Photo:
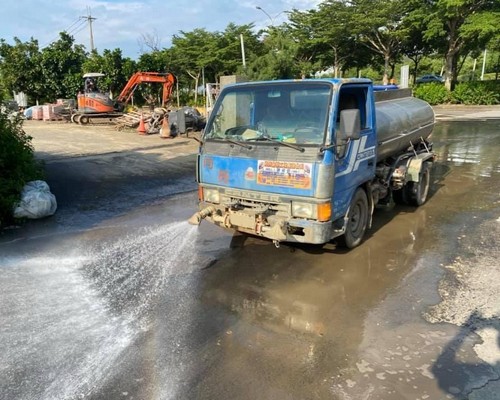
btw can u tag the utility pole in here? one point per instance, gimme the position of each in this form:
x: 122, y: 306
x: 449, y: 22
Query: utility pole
x: 89, y: 19
x: 484, y: 65
x: 243, y: 51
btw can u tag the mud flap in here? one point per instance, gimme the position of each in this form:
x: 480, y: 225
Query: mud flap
x: 415, y: 166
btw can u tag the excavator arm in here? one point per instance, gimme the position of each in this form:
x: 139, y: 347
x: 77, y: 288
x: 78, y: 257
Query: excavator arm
x: 167, y: 79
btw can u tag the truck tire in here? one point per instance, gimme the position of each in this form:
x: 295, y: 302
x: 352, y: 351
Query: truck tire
x: 357, y: 220
x: 417, y: 192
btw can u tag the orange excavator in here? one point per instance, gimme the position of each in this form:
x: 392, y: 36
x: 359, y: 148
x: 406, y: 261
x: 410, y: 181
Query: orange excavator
x: 94, y: 104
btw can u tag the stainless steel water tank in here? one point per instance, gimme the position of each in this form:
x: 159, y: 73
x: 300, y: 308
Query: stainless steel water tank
x: 401, y: 122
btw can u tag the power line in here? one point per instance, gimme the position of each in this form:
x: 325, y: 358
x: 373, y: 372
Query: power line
x: 74, y: 23
x: 70, y: 30
x: 77, y: 26
x: 81, y: 25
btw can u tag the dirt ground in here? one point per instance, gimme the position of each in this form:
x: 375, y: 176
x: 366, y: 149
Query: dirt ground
x: 58, y: 140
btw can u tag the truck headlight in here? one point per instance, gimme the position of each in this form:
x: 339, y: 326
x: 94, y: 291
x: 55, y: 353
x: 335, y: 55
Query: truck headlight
x: 304, y: 210
x: 211, y: 195
x: 322, y: 212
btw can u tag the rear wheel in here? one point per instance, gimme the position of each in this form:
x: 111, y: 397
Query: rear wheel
x: 415, y: 193
x: 418, y: 191
x: 357, y: 220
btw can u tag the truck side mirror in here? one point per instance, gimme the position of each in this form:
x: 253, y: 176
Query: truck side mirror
x: 350, y: 124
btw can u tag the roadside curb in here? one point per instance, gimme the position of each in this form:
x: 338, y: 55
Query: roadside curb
x: 466, y: 113
x: 464, y: 118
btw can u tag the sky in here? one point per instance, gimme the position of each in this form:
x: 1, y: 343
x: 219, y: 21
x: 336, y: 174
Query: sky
x: 122, y: 23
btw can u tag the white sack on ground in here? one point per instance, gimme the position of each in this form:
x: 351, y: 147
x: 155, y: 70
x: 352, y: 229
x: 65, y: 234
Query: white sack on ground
x: 36, y: 201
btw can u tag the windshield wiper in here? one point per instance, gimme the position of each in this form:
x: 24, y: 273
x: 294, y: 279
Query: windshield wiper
x: 269, y: 139
x: 246, y: 146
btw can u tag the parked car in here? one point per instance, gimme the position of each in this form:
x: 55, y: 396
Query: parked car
x: 430, y: 78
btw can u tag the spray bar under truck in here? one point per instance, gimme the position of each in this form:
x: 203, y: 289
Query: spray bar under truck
x: 308, y: 160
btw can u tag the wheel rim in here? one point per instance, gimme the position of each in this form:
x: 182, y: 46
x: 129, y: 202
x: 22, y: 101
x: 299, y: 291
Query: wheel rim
x: 356, y: 223
x: 357, y: 220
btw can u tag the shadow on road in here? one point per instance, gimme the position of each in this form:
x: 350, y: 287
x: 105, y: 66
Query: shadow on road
x: 456, y: 373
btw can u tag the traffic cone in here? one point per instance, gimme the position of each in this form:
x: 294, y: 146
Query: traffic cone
x: 165, y: 128
x: 142, y: 127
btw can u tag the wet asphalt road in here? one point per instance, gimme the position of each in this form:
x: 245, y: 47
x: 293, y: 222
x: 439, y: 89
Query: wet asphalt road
x: 116, y: 297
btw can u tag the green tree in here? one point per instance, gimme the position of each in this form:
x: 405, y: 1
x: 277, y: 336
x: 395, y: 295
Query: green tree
x: 325, y: 36
x: 154, y: 61
x: 229, y: 54
x: 461, y: 26
x: 61, y: 66
x: 414, y: 44
x: 279, y: 57
x: 378, y: 24
x: 194, y: 51
x: 116, y: 68
x: 17, y: 164
x: 495, y: 47
x: 303, y: 28
x: 19, y: 67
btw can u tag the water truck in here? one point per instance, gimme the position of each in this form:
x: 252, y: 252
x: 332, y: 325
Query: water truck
x: 309, y: 160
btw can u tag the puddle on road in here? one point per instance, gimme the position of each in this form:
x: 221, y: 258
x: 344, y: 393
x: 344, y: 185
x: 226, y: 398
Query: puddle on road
x: 67, y: 318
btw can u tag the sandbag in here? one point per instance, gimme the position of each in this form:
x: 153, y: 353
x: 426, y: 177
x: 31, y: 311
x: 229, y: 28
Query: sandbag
x: 36, y: 201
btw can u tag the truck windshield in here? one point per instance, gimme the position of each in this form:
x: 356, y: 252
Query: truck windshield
x: 294, y: 112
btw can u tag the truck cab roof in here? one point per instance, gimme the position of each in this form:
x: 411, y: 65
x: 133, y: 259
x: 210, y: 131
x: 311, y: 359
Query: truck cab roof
x: 334, y: 81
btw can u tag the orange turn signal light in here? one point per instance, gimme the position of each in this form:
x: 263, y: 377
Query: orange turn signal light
x: 200, y: 193
x: 324, y: 212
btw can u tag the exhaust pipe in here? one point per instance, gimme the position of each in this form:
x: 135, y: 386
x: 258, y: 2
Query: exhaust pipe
x: 197, y: 217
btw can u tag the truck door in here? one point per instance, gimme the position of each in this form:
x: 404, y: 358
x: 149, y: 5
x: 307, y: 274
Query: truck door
x: 355, y: 159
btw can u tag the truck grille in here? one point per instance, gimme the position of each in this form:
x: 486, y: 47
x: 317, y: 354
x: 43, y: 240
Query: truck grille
x: 256, y: 207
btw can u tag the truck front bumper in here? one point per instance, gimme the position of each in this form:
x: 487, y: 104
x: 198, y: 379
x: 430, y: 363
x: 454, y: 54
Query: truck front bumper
x: 271, y: 226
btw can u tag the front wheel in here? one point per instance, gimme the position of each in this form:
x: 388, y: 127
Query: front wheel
x: 357, y: 220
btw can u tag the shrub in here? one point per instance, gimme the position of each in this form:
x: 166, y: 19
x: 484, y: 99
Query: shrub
x: 484, y: 92
x: 17, y: 164
x: 432, y: 93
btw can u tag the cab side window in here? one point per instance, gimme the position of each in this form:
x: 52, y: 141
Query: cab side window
x: 353, y: 98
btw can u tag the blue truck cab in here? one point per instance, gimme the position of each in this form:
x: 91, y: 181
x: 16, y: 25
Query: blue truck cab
x: 298, y: 160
